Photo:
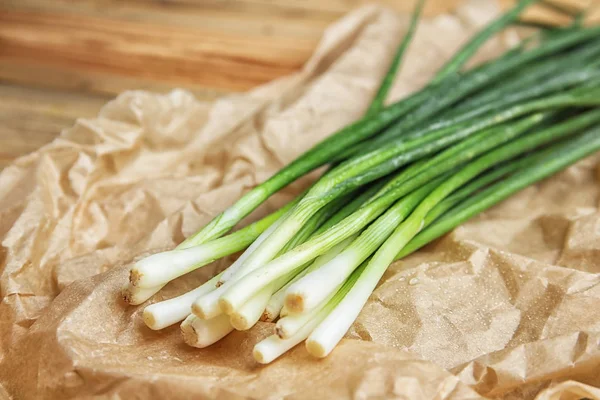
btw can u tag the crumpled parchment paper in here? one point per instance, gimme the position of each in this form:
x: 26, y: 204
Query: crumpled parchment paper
x: 506, y: 306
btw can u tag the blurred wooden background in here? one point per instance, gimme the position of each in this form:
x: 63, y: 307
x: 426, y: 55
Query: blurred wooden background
x: 63, y: 59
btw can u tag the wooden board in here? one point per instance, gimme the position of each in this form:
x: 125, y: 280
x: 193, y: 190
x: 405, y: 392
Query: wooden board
x: 63, y: 59
x: 32, y: 117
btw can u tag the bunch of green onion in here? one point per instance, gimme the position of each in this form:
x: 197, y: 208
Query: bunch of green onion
x: 399, y: 178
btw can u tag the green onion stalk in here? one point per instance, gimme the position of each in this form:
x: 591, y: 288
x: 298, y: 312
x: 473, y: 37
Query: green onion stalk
x: 253, y: 281
x: 406, y: 237
x: 337, y: 270
x: 374, y: 121
x: 140, y: 289
x: 313, y: 288
x: 351, y: 174
x: 377, y: 118
x: 453, y: 91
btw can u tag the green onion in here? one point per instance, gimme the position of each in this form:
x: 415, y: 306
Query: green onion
x: 312, y: 289
x: 533, y: 75
x: 388, y: 79
x: 454, y: 91
x: 552, y: 85
x: 255, y: 279
x: 399, y: 178
x: 207, y: 306
x: 330, y: 331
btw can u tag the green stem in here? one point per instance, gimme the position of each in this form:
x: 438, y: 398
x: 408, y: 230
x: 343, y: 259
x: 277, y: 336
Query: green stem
x: 451, y: 91
x: 532, y: 75
x: 330, y: 331
x: 560, y: 156
x: 571, y: 98
x: 559, y: 83
x: 472, y: 187
x: 258, y: 278
x: 388, y: 80
x: 460, y: 58
x: 322, y: 218
x: 241, y: 238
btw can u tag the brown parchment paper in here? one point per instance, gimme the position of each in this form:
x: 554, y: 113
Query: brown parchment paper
x: 507, y: 306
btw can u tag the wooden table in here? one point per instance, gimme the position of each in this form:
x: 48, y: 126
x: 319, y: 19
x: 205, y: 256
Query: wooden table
x: 63, y: 59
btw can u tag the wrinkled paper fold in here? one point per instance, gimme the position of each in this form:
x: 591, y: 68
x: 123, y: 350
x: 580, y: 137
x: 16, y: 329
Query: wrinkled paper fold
x: 506, y: 306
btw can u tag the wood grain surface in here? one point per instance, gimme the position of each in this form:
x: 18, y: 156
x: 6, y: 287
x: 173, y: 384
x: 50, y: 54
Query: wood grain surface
x: 63, y: 59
